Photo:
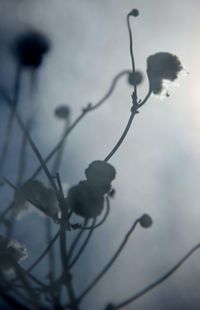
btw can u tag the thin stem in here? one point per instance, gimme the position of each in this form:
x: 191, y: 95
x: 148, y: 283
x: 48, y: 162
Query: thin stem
x: 131, y: 50
x: 125, y: 132
x: 59, y: 145
x: 9, y: 127
x: 58, y: 158
x: 30, y: 140
x: 22, y: 157
x: 63, y: 248
x: 79, y: 118
x: 109, y: 264
x: 104, y: 218
x: 22, y: 275
x: 123, y: 136
x: 81, y: 250
x: 76, y: 240
x: 159, y: 281
x: 43, y: 254
x: 36, y: 151
x: 110, y: 91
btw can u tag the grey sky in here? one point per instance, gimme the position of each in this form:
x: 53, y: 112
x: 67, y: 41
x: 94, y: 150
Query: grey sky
x: 158, y: 166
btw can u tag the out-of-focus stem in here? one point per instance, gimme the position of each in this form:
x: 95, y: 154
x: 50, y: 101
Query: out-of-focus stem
x: 109, y: 264
x: 82, y: 248
x: 22, y: 157
x: 157, y: 282
x: 76, y: 240
x: 9, y: 127
x: 63, y: 249
x: 22, y: 275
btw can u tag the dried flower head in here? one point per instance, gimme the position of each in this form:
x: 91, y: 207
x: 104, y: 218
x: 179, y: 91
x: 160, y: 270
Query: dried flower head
x: 85, y: 200
x: 42, y: 197
x: 30, y: 47
x: 11, y: 250
x: 100, y: 174
x: 62, y: 111
x: 162, y: 66
x: 146, y: 221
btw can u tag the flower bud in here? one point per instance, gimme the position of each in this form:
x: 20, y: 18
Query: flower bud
x: 62, y: 111
x: 146, y: 221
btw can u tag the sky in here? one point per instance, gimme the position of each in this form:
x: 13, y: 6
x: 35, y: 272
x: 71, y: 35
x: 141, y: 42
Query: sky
x: 158, y: 166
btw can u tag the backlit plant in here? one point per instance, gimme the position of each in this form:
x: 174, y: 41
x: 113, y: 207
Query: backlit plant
x: 85, y: 206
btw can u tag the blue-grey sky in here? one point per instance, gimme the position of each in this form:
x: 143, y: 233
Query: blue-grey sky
x: 158, y: 165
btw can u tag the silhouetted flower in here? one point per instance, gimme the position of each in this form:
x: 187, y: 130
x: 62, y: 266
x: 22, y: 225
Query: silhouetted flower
x: 63, y: 111
x: 135, y: 78
x: 100, y: 175
x: 85, y: 200
x: 146, y: 221
x: 30, y: 47
x: 134, y: 12
x: 11, y: 250
x: 162, y: 66
x: 35, y: 192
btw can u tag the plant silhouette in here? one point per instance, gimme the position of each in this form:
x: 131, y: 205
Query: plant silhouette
x: 81, y: 209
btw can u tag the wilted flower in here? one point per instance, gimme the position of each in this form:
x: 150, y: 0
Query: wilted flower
x: 146, y: 221
x: 85, y: 200
x: 30, y: 47
x: 162, y: 66
x: 100, y: 174
x: 35, y: 192
x: 11, y: 250
x: 135, y: 78
x: 63, y: 111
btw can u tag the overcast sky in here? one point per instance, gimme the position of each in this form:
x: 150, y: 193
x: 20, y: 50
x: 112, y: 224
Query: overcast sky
x: 158, y: 165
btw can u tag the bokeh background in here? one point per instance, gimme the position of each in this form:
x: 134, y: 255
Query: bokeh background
x: 158, y: 165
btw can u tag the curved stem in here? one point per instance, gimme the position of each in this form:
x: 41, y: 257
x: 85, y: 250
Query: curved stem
x: 108, y: 157
x: 133, y: 113
x: 109, y: 264
x: 43, y: 254
x: 79, y: 118
x: 81, y: 250
x: 59, y: 145
x: 111, y: 89
x: 131, y: 50
x: 159, y: 281
x: 76, y: 240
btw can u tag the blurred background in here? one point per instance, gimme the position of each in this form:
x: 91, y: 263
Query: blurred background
x: 158, y: 166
